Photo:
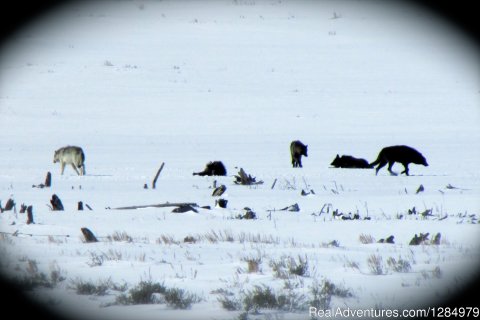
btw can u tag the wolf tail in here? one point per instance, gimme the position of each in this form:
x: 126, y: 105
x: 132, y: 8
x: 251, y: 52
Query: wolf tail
x: 374, y: 163
x: 82, y: 164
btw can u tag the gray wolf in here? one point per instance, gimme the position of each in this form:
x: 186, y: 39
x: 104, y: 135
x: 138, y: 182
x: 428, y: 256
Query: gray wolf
x: 71, y: 155
x: 350, y: 162
x: 213, y: 168
x: 401, y: 154
x: 297, y: 149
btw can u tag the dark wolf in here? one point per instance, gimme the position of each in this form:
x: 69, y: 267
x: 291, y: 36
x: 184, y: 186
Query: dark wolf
x: 213, y: 168
x: 350, y: 162
x: 70, y: 155
x: 400, y: 154
x: 297, y: 149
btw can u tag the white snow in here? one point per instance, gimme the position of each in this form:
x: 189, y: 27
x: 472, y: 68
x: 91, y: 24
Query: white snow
x: 138, y: 83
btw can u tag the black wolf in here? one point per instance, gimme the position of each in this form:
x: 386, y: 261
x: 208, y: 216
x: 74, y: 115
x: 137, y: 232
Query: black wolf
x: 350, y: 162
x: 213, y: 168
x: 401, y: 154
x: 297, y: 149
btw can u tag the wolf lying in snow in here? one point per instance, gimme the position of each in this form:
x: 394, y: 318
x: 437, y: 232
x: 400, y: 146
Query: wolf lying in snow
x: 213, y: 168
x: 401, y: 154
x: 71, y: 155
x: 350, y: 162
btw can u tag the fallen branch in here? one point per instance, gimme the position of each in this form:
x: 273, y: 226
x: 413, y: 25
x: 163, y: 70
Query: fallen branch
x: 273, y: 185
x: 161, y: 205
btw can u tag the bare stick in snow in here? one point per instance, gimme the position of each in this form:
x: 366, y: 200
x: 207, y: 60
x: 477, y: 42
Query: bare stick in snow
x: 156, y: 176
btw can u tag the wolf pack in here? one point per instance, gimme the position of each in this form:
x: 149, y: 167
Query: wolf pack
x: 405, y: 155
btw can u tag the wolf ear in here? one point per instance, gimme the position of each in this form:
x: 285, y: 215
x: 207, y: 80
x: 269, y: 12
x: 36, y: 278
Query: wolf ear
x: 338, y: 156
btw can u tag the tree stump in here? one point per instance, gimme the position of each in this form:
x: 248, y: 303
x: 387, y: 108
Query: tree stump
x: 436, y: 240
x: 89, y: 236
x: 219, y: 191
x: 48, y: 179
x: 390, y: 239
x: 30, y: 215
x: 245, y: 179
x: 56, y: 203
x: 222, y: 203
x: 417, y: 240
x: 9, y: 205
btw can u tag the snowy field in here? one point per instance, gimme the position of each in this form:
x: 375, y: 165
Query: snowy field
x: 141, y: 83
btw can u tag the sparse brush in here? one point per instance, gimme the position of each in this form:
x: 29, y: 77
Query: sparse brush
x: 375, y: 263
x: 179, y: 298
x: 437, y: 272
x: 261, y: 297
x: 258, y: 238
x: 401, y: 265
x: 222, y: 236
x: 148, y: 292
x: 322, y: 293
x: 253, y: 264
x: 89, y: 288
x: 96, y: 260
x: 190, y: 239
x: 288, y: 266
x: 366, y: 238
x: 52, y: 239
x: 167, y: 239
x: 120, y: 236
x: 143, y: 293
x: 228, y: 300
x: 56, y: 274
x: 352, y: 264
x: 35, y: 279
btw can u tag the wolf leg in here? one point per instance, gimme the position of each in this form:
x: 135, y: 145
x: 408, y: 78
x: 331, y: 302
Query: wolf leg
x: 295, y: 162
x: 62, y: 166
x: 75, y: 168
x: 390, y: 165
x: 406, y: 168
x: 380, y: 166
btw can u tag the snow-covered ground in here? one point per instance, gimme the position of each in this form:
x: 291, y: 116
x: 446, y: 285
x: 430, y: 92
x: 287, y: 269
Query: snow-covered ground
x: 139, y: 83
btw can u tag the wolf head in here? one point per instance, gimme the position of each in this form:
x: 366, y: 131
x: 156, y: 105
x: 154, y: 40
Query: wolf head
x: 56, y: 156
x: 305, y: 150
x: 301, y: 149
x: 421, y: 160
x: 336, y: 162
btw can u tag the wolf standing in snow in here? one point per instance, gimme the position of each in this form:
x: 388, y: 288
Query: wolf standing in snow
x: 401, y: 154
x: 71, y: 155
x: 297, y: 149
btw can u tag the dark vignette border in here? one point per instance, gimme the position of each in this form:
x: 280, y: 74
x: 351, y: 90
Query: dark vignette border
x: 460, y: 14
